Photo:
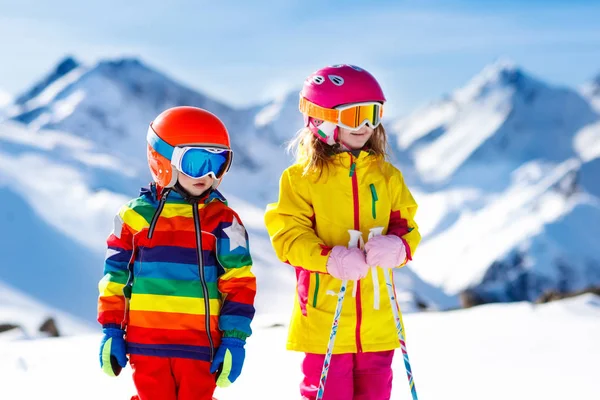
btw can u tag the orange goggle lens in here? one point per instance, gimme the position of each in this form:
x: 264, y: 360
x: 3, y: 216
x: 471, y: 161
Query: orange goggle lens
x: 355, y: 116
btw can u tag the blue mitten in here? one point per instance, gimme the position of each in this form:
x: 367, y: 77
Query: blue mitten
x: 113, y: 351
x: 230, y: 359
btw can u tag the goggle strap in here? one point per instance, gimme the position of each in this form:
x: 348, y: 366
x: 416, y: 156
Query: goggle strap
x: 160, y: 146
x: 318, y: 112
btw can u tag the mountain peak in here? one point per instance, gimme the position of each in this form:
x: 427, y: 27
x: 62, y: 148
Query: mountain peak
x: 502, y: 74
x: 502, y: 67
x: 122, y: 63
x: 64, y: 66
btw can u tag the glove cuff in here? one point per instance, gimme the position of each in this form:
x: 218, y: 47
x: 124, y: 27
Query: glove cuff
x: 112, y: 331
x: 233, y: 342
x: 111, y: 326
x: 235, y: 334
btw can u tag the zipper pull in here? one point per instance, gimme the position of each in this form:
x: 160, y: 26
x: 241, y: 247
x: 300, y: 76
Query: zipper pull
x: 352, y: 167
x: 374, y: 199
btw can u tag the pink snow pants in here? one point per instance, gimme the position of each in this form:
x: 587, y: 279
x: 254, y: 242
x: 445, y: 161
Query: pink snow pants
x: 360, y: 376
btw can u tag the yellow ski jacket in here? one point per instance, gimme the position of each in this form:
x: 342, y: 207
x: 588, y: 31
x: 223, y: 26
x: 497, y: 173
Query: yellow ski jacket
x: 314, y: 214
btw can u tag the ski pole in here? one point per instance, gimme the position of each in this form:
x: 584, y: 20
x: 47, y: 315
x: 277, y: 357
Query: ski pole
x: 355, y: 237
x: 392, y: 295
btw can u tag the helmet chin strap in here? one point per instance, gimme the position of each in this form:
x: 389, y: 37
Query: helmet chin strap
x: 327, y: 132
x: 189, y: 197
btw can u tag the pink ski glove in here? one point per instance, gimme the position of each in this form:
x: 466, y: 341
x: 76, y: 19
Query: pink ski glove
x: 385, y: 251
x: 347, y: 264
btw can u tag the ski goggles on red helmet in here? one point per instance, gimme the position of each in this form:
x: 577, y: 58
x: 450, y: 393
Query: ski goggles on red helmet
x: 350, y: 116
x: 195, y: 161
x: 198, y: 162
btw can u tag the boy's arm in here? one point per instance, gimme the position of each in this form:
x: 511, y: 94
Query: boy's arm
x: 111, y: 301
x: 404, y: 208
x: 290, y: 226
x: 237, y: 285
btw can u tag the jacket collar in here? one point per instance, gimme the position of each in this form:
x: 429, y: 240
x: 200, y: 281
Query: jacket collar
x: 364, y: 156
x: 174, y: 196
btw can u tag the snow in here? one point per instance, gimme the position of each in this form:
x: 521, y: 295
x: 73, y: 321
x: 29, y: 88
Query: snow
x: 591, y: 90
x: 459, y: 256
x: 499, y: 120
x: 51, y: 91
x: 439, y: 160
x: 69, y: 204
x: 424, y: 121
x: 497, y: 352
x: 587, y: 142
x: 21, y: 310
x: 5, y: 98
x: 510, y: 166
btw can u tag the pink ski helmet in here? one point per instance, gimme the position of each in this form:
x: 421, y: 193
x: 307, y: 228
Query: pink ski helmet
x: 334, y: 86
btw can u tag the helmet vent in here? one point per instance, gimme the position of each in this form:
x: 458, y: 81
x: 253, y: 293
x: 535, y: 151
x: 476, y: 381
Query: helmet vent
x: 318, y: 79
x: 337, y: 80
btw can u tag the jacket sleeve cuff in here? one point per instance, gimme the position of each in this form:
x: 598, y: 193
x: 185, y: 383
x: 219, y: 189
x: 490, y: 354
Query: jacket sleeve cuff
x: 321, y: 264
x: 111, y: 326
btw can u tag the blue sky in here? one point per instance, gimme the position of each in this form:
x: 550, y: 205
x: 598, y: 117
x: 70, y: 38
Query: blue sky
x: 244, y: 52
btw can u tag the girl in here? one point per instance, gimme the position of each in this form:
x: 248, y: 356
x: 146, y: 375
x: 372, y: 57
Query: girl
x: 342, y: 181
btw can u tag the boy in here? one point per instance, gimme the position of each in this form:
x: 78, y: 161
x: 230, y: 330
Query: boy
x: 177, y: 293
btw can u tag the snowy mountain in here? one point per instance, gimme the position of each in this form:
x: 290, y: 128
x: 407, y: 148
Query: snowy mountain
x: 527, y: 155
x: 58, y: 203
x: 539, y: 146
x: 591, y: 90
x: 521, y: 242
x: 111, y: 104
x: 60, y: 193
x: 464, y: 354
x: 482, y: 132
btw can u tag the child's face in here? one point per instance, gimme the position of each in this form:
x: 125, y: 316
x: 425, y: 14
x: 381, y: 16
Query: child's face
x: 356, y: 140
x: 195, y: 187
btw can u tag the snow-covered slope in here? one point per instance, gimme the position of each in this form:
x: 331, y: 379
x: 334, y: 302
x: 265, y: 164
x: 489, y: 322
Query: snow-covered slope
x: 496, y: 352
x: 525, y: 133
x: 27, y: 316
x: 591, y: 90
x: 516, y: 244
x: 57, y: 208
x: 5, y: 98
x: 112, y: 103
x: 517, y: 164
x: 501, y: 119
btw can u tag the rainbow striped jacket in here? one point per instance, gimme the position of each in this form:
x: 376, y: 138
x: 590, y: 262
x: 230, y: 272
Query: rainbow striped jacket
x: 165, y: 258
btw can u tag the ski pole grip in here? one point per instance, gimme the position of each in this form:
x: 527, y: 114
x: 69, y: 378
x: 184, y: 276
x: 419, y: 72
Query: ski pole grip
x: 355, y: 238
x: 375, y: 231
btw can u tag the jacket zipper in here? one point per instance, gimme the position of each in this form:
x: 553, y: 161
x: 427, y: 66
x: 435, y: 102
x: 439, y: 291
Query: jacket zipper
x: 159, y: 209
x: 356, y: 227
x: 202, y: 277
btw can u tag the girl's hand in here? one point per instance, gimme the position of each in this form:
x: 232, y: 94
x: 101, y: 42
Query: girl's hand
x: 385, y: 251
x: 347, y: 264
